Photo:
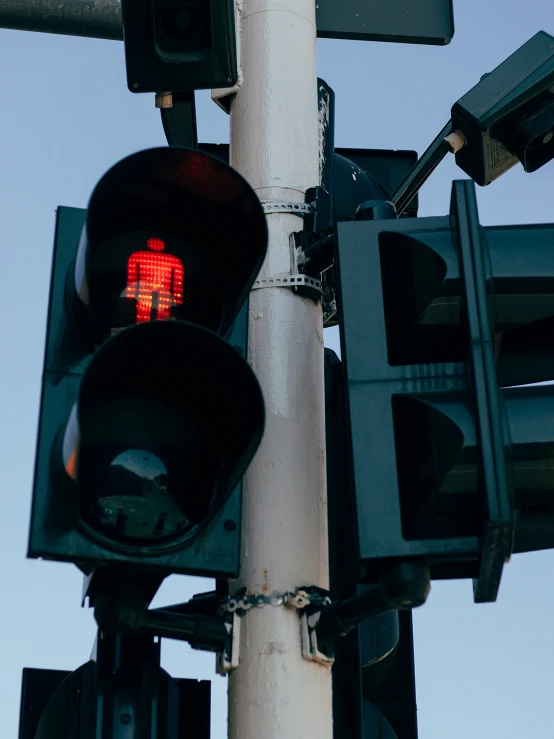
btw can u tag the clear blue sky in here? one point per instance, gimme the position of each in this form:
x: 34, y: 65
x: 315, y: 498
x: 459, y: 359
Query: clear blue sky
x: 482, y: 671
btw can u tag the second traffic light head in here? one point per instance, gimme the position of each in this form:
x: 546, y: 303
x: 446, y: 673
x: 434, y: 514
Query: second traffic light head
x: 174, y: 211
x: 444, y: 464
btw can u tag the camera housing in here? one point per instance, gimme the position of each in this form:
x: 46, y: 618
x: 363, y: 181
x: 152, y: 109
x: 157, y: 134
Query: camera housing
x: 509, y: 115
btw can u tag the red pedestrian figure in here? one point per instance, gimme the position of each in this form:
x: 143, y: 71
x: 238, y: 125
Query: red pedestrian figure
x: 155, y: 281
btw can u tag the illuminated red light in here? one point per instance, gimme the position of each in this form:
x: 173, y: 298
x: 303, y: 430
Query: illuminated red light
x: 155, y: 244
x: 155, y: 281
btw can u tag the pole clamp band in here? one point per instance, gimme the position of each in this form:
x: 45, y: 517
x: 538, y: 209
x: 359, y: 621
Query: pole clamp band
x: 287, y: 279
x: 301, y: 598
x: 297, y: 209
x: 308, y: 601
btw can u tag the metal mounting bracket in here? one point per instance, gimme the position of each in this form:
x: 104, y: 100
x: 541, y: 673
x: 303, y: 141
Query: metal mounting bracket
x: 297, y: 209
x: 228, y: 659
x: 308, y: 640
x: 303, y: 600
x: 318, y: 290
x: 301, y: 283
x: 305, y: 285
x: 288, y: 279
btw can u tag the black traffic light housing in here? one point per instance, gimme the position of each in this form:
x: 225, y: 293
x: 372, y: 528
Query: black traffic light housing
x: 209, y: 215
x: 373, y: 673
x: 509, y: 115
x: 122, y: 685
x: 177, y: 45
x: 445, y: 465
x: 147, y: 420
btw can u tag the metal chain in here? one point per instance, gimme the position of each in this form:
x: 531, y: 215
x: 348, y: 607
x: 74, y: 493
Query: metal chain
x: 300, y: 599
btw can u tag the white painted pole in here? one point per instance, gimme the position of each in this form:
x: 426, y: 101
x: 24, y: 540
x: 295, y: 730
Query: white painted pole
x: 274, y: 693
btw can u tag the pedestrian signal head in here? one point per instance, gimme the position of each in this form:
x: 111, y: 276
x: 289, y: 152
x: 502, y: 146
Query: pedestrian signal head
x: 171, y: 234
x: 150, y: 413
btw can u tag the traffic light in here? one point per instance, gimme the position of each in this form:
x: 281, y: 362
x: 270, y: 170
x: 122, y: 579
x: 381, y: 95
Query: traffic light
x: 438, y: 317
x: 373, y: 674
x: 388, y: 676
x: 177, y: 45
x: 149, y: 417
x: 509, y: 115
x: 120, y: 688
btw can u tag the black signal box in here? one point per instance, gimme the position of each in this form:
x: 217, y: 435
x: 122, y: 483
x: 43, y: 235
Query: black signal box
x: 175, y: 46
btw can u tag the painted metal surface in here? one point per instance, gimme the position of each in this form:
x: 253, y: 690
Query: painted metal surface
x: 408, y: 21
x: 274, y: 143
x: 400, y: 21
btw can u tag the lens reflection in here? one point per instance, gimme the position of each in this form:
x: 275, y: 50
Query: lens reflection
x: 136, y: 503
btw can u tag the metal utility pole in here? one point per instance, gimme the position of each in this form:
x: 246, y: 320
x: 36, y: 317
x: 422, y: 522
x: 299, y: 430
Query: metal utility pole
x: 274, y: 692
